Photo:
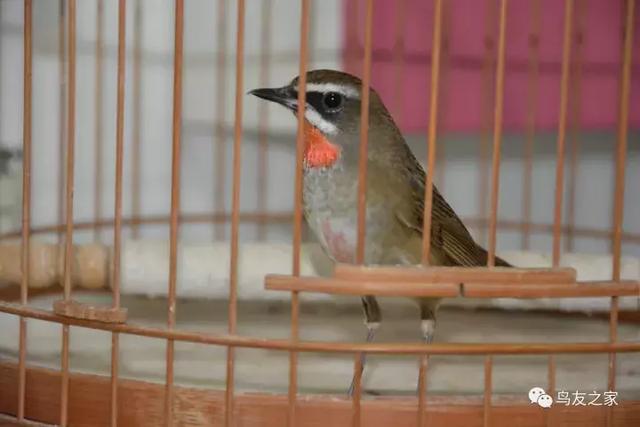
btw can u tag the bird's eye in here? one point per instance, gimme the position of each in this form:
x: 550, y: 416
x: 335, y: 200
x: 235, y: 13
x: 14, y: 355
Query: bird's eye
x: 332, y: 100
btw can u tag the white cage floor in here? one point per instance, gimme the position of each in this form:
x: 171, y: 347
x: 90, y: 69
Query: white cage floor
x: 261, y: 370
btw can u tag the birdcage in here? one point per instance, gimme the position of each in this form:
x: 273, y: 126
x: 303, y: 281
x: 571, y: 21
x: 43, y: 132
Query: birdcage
x: 163, y: 273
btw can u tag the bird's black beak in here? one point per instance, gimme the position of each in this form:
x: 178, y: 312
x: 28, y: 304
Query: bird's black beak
x: 282, y: 95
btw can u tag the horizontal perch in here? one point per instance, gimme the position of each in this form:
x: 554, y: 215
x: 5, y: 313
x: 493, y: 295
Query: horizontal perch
x: 556, y: 290
x: 450, y: 290
x: 345, y: 287
x: 456, y: 274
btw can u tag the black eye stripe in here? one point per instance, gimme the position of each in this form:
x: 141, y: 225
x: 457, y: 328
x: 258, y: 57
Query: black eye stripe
x: 315, y: 99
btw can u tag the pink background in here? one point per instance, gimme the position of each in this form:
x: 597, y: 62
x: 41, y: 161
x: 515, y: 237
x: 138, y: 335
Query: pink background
x: 461, y: 78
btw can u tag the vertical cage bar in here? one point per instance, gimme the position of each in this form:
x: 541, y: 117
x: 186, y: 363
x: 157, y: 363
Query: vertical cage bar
x: 117, y: 226
x: 551, y: 384
x: 618, y: 209
x: 220, y: 140
x: 398, y: 59
x: 532, y: 112
x: 487, y: 100
x: 488, y: 373
x: 70, y: 149
x: 235, y: 212
x: 176, y: 149
x: 441, y: 157
x: 562, y: 126
x: 623, y: 128
x: 26, y: 200
x: 433, y: 126
x: 364, y: 135
x: 136, y: 163
x: 99, y: 145
x: 64, y: 380
x: 297, y: 212
x: 613, y: 336
x: 352, y: 53
x: 422, y: 390
x: 574, y: 134
x: 356, y: 419
x: 69, y: 184
x: 263, y: 118
x: 62, y: 57
x: 497, y: 133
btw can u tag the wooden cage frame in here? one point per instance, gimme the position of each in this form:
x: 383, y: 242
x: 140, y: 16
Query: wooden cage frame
x: 29, y: 392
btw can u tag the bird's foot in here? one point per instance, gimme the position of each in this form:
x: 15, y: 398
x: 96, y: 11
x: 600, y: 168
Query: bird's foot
x: 427, y: 329
x: 372, y: 327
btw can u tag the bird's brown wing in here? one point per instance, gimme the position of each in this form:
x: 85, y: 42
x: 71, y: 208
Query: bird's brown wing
x: 448, y: 233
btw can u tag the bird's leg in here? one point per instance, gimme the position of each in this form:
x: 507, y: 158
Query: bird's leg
x: 372, y: 318
x: 427, y: 325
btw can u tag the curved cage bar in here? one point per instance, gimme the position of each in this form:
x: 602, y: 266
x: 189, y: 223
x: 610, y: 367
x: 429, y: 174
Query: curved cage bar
x: 162, y: 208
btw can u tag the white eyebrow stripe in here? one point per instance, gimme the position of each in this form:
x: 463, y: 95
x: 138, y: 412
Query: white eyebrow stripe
x: 347, y: 91
x: 319, y: 122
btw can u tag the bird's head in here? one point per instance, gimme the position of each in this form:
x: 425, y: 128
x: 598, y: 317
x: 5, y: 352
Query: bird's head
x: 332, y: 114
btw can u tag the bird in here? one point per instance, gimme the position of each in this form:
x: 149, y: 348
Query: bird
x: 395, y: 188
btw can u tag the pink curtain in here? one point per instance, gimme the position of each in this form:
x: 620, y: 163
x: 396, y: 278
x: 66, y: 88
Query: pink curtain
x: 401, y: 72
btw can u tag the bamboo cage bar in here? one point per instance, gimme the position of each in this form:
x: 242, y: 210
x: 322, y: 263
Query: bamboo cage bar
x: 443, y: 84
x: 62, y: 108
x: 117, y: 214
x: 68, y: 211
x: 220, y: 141
x: 575, y: 137
x: 235, y: 213
x: 363, y: 157
x: 357, y: 279
x: 432, y: 133
x: 428, y: 197
x: 195, y: 218
x: 297, y: 212
x: 551, y: 383
x: 422, y: 391
x: 351, y: 56
x: 98, y: 117
x: 488, y: 70
x: 263, y: 115
x: 356, y: 420
x: 136, y: 151
x: 319, y: 346
x: 618, y: 208
x: 285, y: 217
x: 532, y: 112
x: 488, y: 379
x: 497, y: 133
x: 25, y: 241
x: 562, y: 127
x: 175, y: 204
x: 399, y: 51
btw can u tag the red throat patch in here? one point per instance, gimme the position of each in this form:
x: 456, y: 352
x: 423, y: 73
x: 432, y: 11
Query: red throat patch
x: 318, y: 151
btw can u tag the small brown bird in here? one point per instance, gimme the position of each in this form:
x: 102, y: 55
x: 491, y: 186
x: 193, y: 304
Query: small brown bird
x: 395, y: 188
